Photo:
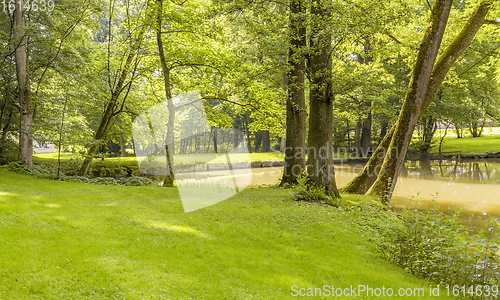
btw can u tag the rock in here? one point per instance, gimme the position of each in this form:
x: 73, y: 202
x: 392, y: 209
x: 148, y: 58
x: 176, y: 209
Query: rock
x: 278, y: 163
x: 200, y: 166
x: 272, y: 163
x: 256, y: 164
x: 215, y: 166
x: 240, y: 165
x: 267, y: 163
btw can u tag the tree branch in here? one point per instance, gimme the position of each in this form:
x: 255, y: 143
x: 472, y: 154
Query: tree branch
x: 491, y: 22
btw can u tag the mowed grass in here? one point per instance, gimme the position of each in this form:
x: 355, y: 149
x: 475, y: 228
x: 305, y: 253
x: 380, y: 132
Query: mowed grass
x: 487, y: 143
x: 61, y: 240
x: 185, y: 158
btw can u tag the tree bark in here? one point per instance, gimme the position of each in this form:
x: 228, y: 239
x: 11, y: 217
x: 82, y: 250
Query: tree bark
x: 5, y: 128
x: 266, y: 141
x: 414, y: 101
x: 169, y: 139
x: 23, y: 80
x: 123, y: 151
x: 366, y: 135
x: 320, y: 167
x: 429, y: 128
x: 236, y: 137
x: 215, y: 140
x: 365, y: 179
x: 357, y: 136
x: 296, y: 113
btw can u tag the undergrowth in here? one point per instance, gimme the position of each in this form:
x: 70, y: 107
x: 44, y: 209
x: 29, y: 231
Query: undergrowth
x: 49, y: 171
x: 427, y: 243
x: 435, y: 246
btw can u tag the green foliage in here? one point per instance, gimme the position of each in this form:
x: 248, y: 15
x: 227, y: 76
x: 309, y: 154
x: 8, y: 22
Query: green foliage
x: 306, y: 191
x: 48, y: 170
x: 436, y: 246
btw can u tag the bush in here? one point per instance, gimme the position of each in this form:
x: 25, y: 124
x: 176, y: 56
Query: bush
x: 48, y: 170
x: 39, y: 170
x: 7, y: 157
x: 305, y: 191
x: 438, y: 247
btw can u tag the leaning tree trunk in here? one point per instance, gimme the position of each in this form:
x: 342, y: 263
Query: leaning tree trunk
x: 365, y: 179
x: 100, y: 133
x: 296, y: 113
x: 23, y: 80
x: 414, y: 100
x: 169, y: 140
x: 113, y: 103
x: 320, y: 167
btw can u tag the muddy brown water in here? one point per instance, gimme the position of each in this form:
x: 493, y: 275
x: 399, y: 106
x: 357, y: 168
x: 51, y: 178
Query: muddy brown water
x: 470, y: 186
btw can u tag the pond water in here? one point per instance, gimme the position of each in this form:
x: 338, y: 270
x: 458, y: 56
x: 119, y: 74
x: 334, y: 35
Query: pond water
x: 471, y: 186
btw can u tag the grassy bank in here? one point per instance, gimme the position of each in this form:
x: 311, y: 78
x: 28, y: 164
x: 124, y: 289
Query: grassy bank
x: 73, y: 241
x: 188, y: 158
x: 487, y: 143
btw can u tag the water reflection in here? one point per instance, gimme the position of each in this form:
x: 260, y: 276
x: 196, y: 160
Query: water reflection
x: 471, y: 186
x: 460, y: 171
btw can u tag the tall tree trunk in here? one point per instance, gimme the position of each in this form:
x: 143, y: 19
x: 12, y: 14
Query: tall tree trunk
x: 458, y: 130
x: 247, y: 133
x: 296, y: 113
x: 215, y: 140
x: 258, y: 141
x: 23, y: 80
x: 414, y: 101
x: 366, y: 135
x: 266, y: 141
x: 123, y: 151
x: 320, y: 167
x: 5, y: 130
x: 357, y: 136
x: 429, y: 128
x: 236, y: 137
x: 383, y: 130
x: 169, y: 139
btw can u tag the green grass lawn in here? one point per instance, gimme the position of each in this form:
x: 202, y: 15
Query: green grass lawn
x: 61, y: 240
x: 188, y: 158
x: 487, y: 143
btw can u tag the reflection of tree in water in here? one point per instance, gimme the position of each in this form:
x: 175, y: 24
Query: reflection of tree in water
x: 426, y: 168
x: 468, y: 171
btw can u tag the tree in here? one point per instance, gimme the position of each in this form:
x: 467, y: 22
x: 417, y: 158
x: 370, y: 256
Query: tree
x: 119, y: 86
x: 296, y: 113
x: 365, y: 178
x: 320, y: 167
x: 169, y: 139
x: 23, y: 79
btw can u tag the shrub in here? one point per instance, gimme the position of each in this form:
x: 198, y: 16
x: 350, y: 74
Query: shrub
x: 48, y: 170
x: 305, y: 191
x: 137, y: 181
x: 438, y: 247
